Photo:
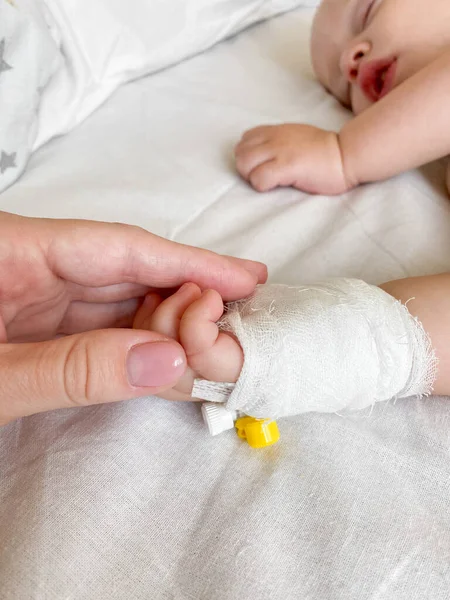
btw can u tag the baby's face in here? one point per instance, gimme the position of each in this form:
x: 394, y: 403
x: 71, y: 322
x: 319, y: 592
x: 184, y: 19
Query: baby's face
x: 362, y: 49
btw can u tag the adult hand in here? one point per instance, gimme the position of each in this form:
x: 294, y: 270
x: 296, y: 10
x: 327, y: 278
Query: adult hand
x: 65, y: 289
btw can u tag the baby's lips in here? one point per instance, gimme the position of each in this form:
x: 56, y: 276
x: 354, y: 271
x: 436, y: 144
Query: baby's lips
x: 389, y: 80
x: 370, y: 74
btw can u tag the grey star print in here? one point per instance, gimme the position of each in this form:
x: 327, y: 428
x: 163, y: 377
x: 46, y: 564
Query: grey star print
x: 7, y: 161
x: 3, y: 64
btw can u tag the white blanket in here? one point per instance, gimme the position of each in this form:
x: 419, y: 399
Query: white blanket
x: 136, y: 501
x: 28, y: 59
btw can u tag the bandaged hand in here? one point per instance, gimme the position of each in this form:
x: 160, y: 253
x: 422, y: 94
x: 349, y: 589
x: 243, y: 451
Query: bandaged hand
x: 191, y: 317
x: 338, y: 345
x: 300, y: 156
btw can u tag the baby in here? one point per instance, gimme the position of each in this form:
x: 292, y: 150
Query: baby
x: 387, y: 60
x: 190, y: 316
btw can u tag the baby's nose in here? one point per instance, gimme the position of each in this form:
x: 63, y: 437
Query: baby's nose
x: 351, y: 59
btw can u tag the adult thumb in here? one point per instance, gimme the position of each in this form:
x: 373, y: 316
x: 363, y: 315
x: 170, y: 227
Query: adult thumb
x: 89, y: 368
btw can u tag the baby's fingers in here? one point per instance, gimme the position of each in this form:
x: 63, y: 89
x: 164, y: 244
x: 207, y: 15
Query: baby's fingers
x: 199, y: 331
x: 213, y: 355
x: 250, y: 157
x: 257, y: 135
x: 145, y: 313
x: 267, y: 176
x: 167, y: 316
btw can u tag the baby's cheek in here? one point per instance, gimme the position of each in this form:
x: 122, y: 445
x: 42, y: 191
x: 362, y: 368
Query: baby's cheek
x: 360, y: 102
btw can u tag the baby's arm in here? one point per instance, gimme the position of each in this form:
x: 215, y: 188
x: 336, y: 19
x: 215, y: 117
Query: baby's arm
x: 190, y: 316
x: 407, y: 128
x: 428, y: 299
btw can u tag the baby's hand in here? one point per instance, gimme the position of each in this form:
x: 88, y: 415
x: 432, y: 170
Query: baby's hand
x: 301, y: 156
x: 189, y: 316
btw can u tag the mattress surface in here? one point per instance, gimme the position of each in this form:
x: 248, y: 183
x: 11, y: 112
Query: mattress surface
x: 136, y: 500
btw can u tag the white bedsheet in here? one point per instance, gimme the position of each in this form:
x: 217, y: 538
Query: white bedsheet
x: 136, y: 501
x: 113, y: 42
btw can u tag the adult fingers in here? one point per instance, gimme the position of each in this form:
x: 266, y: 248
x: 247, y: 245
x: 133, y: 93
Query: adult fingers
x: 102, y: 254
x: 83, y: 316
x: 90, y: 368
x: 108, y: 293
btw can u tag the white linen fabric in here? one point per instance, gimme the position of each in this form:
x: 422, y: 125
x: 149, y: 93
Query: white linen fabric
x: 136, y: 501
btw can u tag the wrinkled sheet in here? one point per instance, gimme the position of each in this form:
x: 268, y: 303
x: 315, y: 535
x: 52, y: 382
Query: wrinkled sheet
x: 135, y: 500
x: 59, y: 61
x: 112, y: 42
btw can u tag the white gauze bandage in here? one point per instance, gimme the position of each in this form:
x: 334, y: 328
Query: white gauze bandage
x: 338, y: 345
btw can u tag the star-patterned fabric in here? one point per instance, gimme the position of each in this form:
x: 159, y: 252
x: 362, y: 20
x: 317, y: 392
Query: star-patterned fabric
x: 28, y: 59
x: 3, y: 64
x: 7, y: 161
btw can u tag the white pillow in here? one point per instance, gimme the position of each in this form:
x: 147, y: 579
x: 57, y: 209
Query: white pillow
x: 28, y: 58
x: 109, y: 42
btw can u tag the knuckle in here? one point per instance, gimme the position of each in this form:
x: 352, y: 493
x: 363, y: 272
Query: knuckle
x: 126, y: 230
x: 259, y: 129
x: 241, y: 166
x: 248, y: 134
x: 261, y: 187
x: 239, y: 150
x: 238, y: 160
x: 78, y: 367
x: 259, y: 181
x: 132, y: 228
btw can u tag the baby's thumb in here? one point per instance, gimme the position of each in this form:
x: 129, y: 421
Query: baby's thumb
x: 89, y: 368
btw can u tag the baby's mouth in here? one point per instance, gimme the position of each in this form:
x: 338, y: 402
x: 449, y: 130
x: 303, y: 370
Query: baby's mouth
x: 376, y: 78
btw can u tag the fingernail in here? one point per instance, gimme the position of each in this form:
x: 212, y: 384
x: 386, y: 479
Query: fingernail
x: 155, y: 364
